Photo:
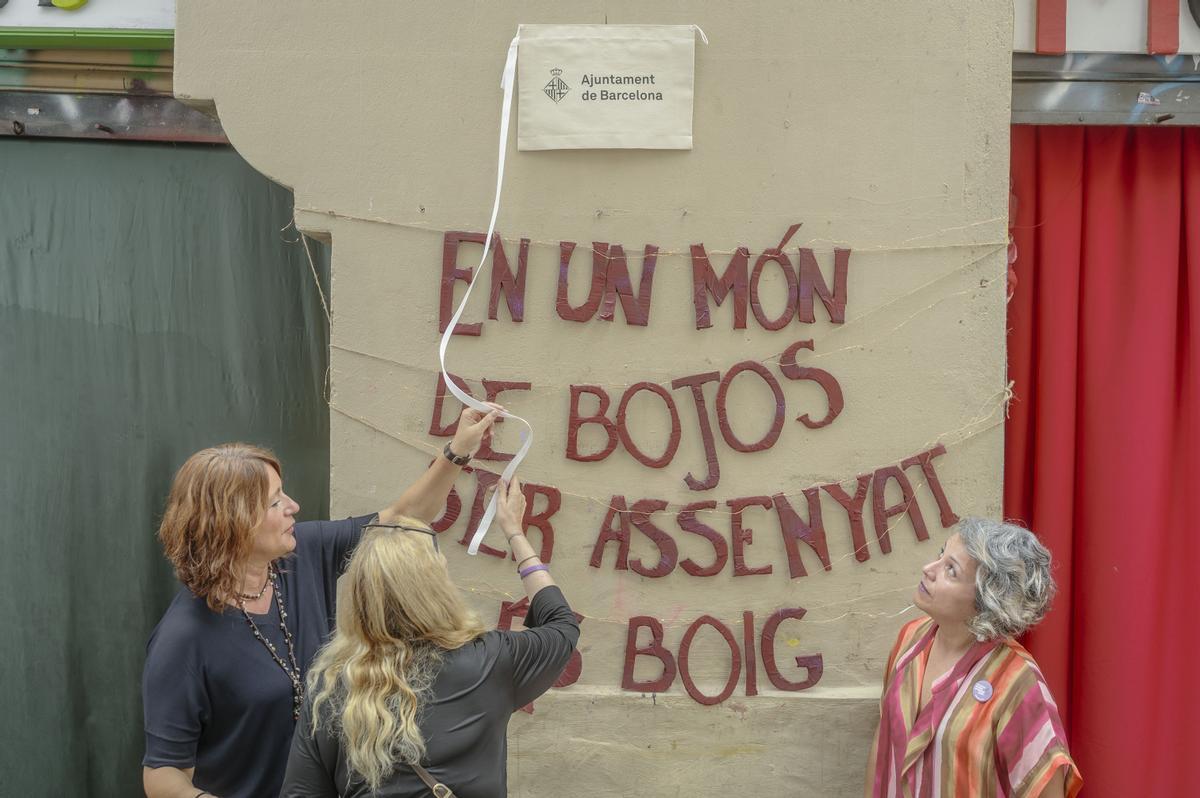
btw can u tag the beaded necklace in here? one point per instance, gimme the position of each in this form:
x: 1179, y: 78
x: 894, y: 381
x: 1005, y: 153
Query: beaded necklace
x: 292, y: 673
x: 267, y: 581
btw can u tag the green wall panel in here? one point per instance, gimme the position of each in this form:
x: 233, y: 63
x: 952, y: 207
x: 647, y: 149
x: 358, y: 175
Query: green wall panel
x: 150, y: 305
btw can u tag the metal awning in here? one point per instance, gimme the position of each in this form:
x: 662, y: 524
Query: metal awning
x: 1105, y: 89
x: 1073, y: 89
x: 111, y: 117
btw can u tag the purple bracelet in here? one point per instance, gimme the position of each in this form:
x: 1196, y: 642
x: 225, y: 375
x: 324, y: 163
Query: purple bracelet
x: 524, y: 572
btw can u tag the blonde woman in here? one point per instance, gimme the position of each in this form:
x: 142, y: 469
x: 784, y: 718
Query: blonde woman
x: 224, y: 675
x: 412, y: 692
x: 965, y: 711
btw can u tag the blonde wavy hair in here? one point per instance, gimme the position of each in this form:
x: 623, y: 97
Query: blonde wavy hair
x: 397, y: 613
x: 217, y: 501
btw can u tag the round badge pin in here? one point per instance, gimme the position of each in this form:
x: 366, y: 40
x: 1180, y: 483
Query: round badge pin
x: 982, y: 690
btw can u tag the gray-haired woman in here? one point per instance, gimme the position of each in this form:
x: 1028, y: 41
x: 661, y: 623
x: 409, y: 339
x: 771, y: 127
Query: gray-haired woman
x: 965, y: 710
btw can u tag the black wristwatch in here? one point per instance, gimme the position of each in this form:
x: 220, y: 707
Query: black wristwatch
x: 454, y: 458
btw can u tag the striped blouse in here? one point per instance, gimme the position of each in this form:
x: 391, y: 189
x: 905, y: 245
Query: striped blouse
x: 991, y: 727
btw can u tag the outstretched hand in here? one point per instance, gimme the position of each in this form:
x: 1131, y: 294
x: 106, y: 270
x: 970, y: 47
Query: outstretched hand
x: 472, y: 426
x: 510, y: 508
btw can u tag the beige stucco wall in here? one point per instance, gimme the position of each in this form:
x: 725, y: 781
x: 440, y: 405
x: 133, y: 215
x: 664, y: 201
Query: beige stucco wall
x: 883, y: 127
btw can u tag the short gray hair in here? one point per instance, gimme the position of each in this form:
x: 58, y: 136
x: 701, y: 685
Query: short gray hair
x: 1013, y: 585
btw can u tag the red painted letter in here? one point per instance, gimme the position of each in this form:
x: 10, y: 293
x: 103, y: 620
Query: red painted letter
x: 492, y: 390
x: 772, y: 435
x: 744, y: 536
x: 814, y: 664
x: 811, y: 280
x: 655, y: 649
x: 735, y: 665
x: 793, y: 529
x: 833, y: 390
x: 595, y: 293
x: 704, y: 279
x: 854, y: 510
x: 785, y: 265
x: 503, y: 281
x: 907, y: 504
x: 450, y: 274
x: 627, y: 439
x: 925, y: 460
x: 689, y: 523
x: 541, y: 520
x: 617, y: 285
x: 667, y: 550
x: 696, y: 383
x: 436, y: 427
x: 575, y: 421
x: 618, y: 511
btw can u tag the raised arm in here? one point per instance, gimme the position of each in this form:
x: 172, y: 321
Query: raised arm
x: 542, y: 650
x: 510, y: 512
x: 426, y: 497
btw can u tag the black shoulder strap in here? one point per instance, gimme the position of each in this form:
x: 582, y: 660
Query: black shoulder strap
x: 439, y: 790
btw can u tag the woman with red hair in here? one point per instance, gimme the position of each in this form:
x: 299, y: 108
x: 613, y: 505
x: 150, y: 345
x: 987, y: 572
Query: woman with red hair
x: 224, y: 676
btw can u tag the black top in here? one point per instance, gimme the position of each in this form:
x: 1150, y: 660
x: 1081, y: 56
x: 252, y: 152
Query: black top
x: 465, y: 722
x: 213, y: 697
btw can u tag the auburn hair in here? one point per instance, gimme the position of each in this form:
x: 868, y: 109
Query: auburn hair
x: 218, y: 499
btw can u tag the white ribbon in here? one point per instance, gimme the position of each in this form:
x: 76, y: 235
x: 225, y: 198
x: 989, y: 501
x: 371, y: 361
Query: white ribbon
x: 506, y: 83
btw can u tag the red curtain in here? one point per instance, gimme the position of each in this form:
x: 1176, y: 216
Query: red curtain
x: 1103, y: 441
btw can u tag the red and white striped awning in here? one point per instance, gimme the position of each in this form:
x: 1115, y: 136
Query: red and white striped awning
x: 1157, y: 27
